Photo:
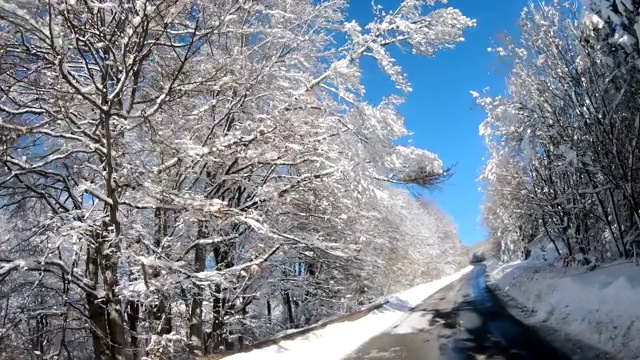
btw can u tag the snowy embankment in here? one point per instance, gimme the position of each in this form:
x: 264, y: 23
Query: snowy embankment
x: 598, y: 307
x: 338, y: 340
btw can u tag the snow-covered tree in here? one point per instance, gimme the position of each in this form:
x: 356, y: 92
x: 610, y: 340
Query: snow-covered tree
x: 171, y: 169
x: 563, y: 144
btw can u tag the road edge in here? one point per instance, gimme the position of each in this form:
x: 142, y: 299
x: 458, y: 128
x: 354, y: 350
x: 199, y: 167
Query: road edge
x: 293, y: 333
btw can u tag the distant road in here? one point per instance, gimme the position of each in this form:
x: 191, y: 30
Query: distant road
x: 464, y: 320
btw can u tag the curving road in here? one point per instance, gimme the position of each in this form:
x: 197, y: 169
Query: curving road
x: 464, y: 320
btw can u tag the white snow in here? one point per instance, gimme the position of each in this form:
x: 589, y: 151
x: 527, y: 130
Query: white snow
x: 598, y: 307
x: 408, y: 159
x: 593, y: 21
x: 338, y: 340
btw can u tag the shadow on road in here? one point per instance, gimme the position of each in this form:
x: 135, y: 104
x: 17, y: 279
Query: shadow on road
x: 486, y: 329
x: 576, y: 348
x: 464, y: 320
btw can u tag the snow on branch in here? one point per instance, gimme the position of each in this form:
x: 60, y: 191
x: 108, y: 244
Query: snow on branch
x: 409, y: 165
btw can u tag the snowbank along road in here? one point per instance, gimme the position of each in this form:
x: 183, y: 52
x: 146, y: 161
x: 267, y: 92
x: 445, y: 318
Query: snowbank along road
x: 338, y: 340
x: 588, y: 314
x: 464, y: 320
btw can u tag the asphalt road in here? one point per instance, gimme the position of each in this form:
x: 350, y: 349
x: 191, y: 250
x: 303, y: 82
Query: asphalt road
x: 464, y: 320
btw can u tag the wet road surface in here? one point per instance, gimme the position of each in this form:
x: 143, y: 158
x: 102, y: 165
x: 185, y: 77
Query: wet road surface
x: 464, y: 320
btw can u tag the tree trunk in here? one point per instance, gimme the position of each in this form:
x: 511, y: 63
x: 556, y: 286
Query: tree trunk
x: 109, y: 243
x: 133, y: 318
x: 196, y: 340
x: 97, y: 314
x: 220, y: 300
x: 161, y: 317
x: 605, y: 214
x: 622, y: 251
x: 240, y: 336
x: 107, y: 257
x: 160, y: 312
x: 115, y: 318
x: 286, y: 298
x: 269, y: 320
x: 217, y: 325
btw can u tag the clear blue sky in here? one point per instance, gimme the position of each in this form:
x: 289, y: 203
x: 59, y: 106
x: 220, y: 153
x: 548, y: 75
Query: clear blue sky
x: 440, y: 110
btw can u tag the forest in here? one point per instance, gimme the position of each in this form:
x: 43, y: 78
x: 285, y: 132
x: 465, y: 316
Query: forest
x: 182, y: 177
x: 563, y: 142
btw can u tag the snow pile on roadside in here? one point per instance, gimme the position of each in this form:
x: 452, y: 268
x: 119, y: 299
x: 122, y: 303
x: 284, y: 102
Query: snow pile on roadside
x: 598, y: 307
x: 338, y: 340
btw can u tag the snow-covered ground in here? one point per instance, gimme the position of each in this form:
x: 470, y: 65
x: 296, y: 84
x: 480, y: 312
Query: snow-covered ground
x: 600, y: 308
x: 339, y: 340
